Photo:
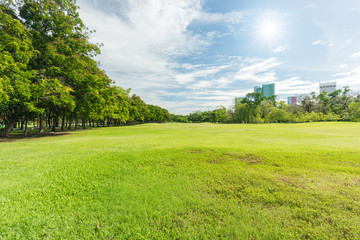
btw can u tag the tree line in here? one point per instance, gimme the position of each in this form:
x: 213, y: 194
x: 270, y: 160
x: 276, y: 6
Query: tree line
x: 48, y: 75
x: 340, y: 105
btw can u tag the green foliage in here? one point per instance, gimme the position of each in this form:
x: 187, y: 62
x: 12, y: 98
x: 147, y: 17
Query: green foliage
x: 139, y: 111
x: 158, y: 114
x: 354, y: 109
x: 339, y: 105
x: 47, y: 69
x: 179, y: 118
x: 219, y: 115
x: 16, y: 98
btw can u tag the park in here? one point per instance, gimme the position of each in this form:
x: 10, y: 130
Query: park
x: 158, y: 119
x: 181, y: 181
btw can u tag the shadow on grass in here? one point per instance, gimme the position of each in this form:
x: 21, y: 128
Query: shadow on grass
x: 33, y: 135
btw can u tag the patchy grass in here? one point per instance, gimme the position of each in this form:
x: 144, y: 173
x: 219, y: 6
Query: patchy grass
x: 181, y: 181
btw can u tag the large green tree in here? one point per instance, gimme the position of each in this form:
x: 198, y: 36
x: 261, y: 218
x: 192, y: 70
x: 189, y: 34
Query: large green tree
x: 16, y: 88
x: 64, y: 58
x: 47, y: 71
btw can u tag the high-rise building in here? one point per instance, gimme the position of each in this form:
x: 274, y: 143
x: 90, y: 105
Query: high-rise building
x: 292, y: 100
x: 328, y: 87
x: 257, y: 89
x: 268, y: 90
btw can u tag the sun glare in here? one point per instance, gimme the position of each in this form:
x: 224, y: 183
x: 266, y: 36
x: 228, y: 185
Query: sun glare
x: 269, y: 28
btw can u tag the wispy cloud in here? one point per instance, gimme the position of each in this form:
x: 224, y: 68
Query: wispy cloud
x: 201, y: 99
x: 147, y: 34
x: 349, y: 78
x: 281, y: 48
x: 323, y: 43
x: 234, y: 17
x: 213, y: 86
x: 294, y: 86
x: 198, y: 74
x: 348, y: 41
x: 355, y: 55
x: 143, y: 40
x: 222, y: 82
x: 259, y: 70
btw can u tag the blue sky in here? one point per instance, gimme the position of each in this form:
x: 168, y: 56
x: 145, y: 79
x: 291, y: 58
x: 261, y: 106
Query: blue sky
x: 188, y: 55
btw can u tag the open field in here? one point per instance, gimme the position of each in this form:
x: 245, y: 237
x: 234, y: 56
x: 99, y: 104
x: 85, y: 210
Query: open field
x: 182, y: 181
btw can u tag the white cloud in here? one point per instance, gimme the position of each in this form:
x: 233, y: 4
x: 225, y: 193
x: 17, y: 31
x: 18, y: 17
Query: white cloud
x: 144, y: 38
x: 202, y: 99
x: 259, y: 70
x: 349, y: 78
x: 144, y: 35
x: 354, y: 9
x: 203, y: 84
x: 323, y: 43
x: 224, y: 75
x: 348, y: 41
x: 186, y: 78
x: 343, y: 65
x: 355, y: 55
x: 222, y: 82
x: 234, y: 17
x: 281, y: 48
x: 294, y: 86
x: 144, y: 81
x: 147, y: 34
x: 221, y: 94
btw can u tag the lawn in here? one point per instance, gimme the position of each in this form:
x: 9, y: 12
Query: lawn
x: 184, y: 181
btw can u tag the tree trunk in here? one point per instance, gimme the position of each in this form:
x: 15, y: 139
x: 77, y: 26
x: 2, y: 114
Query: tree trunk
x: 70, y: 123
x: 83, y: 124
x: 26, y: 128
x: 55, y: 119
x: 49, y: 120
x: 63, y: 123
x: 8, y: 128
x: 40, y: 124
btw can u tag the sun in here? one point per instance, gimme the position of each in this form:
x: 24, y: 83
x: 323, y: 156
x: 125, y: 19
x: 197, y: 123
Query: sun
x: 269, y: 30
x: 269, y: 27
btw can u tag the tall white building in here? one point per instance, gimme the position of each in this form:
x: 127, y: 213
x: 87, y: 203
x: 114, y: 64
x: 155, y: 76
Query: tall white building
x: 328, y: 87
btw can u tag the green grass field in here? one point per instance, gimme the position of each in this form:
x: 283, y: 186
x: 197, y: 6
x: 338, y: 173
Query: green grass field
x: 184, y: 181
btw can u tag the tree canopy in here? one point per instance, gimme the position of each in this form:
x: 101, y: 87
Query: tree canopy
x: 47, y: 71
